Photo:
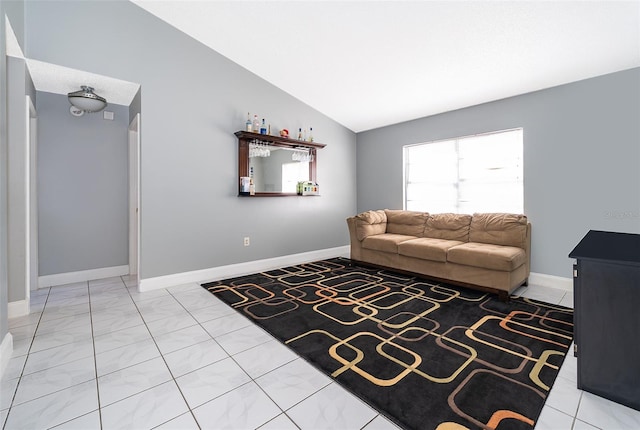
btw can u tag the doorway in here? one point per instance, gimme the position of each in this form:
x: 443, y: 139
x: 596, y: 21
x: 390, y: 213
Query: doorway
x: 84, y: 209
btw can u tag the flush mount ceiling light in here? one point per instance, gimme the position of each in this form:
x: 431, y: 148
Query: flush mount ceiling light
x: 75, y: 111
x: 87, y: 100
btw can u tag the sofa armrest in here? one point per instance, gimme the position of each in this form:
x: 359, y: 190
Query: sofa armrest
x: 362, y: 226
x: 356, y: 245
x: 527, y: 249
x: 351, y: 224
x: 369, y: 223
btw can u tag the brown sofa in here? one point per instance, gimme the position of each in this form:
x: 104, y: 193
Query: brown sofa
x: 486, y: 251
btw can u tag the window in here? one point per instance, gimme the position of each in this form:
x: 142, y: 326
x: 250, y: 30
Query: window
x: 480, y: 173
x: 292, y: 173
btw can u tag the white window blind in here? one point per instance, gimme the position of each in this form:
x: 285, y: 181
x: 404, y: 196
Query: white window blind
x: 480, y: 173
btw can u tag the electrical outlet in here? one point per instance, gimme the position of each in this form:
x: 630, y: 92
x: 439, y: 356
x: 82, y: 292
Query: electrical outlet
x: 247, y: 242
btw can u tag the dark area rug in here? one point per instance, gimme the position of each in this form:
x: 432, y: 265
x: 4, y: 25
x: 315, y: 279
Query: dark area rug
x: 426, y: 355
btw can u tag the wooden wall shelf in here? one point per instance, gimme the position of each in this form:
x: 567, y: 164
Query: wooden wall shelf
x: 277, y: 140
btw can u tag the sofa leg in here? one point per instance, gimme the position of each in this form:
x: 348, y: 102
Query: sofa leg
x: 503, y: 296
x: 525, y: 283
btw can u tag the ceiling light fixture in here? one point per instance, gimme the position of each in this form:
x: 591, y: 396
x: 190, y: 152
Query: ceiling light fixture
x: 87, y: 100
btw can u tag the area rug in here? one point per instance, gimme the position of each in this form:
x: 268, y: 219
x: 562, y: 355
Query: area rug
x: 424, y: 354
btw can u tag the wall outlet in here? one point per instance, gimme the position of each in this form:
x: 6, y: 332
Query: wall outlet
x: 247, y: 242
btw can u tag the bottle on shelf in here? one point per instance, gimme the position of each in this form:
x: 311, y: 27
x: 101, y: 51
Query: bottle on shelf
x: 263, y: 127
x: 248, y: 125
x: 310, y: 134
x: 256, y: 124
x: 300, y: 134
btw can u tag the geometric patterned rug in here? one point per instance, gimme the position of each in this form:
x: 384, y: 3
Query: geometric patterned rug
x: 426, y: 355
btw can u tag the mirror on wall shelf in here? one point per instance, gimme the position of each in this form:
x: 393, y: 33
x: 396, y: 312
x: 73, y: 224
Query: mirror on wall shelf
x: 276, y: 164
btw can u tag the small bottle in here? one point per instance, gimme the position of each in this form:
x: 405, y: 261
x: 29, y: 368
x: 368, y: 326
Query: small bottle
x: 252, y: 188
x: 310, y: 134
x: 256, y: 124
x: 300, y: 134
x: 248, y: 126
x: 263, y: 128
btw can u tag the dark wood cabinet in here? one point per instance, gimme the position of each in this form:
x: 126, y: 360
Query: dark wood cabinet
x: 606, y: 291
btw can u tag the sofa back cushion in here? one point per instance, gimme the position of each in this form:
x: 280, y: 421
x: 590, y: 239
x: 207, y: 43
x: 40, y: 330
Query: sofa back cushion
x: 499, y: 229
x: 406, y: 222
x: 448, y: 226
x: 370, y: 223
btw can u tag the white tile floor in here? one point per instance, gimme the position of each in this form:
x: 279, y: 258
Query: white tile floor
x: 99, y: 354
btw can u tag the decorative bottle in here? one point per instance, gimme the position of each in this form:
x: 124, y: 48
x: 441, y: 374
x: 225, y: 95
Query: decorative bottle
x: 256, y: 124
x: 263, y: 128
x: 300, y: 134
x: 248, y: 126
x: 310, y: 134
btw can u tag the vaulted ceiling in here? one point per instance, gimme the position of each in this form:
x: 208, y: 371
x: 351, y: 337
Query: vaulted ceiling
x: 367, y: 64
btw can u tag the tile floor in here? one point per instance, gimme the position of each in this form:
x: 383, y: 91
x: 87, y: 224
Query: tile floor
x: 99, y: 354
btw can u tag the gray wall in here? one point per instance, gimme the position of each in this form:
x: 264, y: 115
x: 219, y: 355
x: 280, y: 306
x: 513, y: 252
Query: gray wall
x: 83, y: 188
x: 193, y: 100
x: 581, y: 159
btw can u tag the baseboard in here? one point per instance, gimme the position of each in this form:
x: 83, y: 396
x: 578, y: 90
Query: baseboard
x: 18, y: 308
x: 81, y: 276
x: 232, y: 270
x: 6, y: 350
x: 551, y: 281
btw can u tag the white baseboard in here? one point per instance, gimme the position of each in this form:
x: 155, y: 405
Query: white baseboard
x: 232, y: 270
x: 6, y: 350
x: 551, y: 281
x: 81, y: 276
x: 18, y: 308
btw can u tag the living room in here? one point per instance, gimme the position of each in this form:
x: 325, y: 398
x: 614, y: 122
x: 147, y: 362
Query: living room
x: 580, y: 153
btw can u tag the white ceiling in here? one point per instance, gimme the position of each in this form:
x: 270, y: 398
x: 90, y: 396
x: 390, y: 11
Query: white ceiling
x: 52, y: 78
x: 367, y: 64
x: 56, y: 79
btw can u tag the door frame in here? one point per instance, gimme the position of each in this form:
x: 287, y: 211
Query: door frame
x: 134, y: 198
x: 31, y: 199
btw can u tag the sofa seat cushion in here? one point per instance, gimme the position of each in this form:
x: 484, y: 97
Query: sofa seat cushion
x: 488, y: 256
x: 386, y: 242
x: 427, y: 248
